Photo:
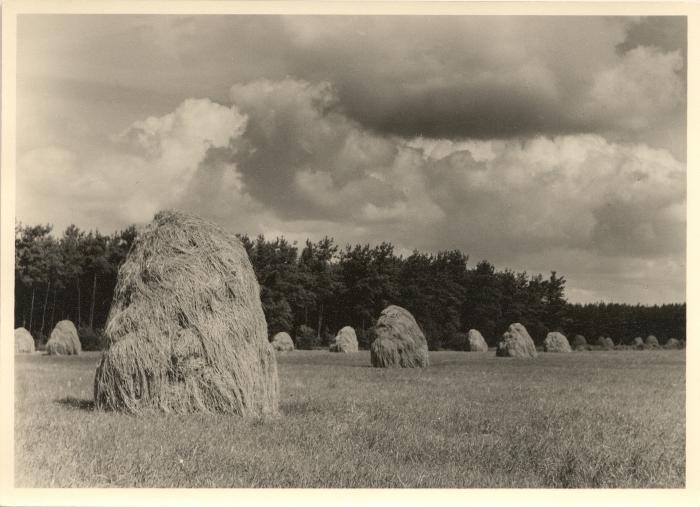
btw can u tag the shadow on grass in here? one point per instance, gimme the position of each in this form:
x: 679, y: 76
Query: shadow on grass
x: 76, y: 404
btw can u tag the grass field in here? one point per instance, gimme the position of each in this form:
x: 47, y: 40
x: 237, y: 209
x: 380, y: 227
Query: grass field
x: 589, y: 419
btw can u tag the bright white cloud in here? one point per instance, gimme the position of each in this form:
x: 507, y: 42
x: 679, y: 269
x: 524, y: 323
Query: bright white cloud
x: 147, y: 167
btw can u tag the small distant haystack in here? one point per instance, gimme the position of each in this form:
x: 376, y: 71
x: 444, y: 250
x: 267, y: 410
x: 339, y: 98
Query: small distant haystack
x: 673, y: 343
x: 638, y: 343
x: 399, y: 341
x: 579, y: 342
x: 64, y: 340
x: 556, y: 342
x: 651, y: 342
x: 606, y: 343
x: 516, y: 342
x: 345, y: 341
x: 186, y: 331
x: 24, y: 343
x: 282, y: 342
x: 477, y: 342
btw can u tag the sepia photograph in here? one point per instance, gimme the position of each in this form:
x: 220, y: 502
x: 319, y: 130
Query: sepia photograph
x: 349, y: 251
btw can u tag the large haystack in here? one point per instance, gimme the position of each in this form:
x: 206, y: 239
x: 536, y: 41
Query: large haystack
x: 651, y: 342
x: 516, y: 342
x: 64, y: 340
x: 476, y: 341
x: 282, y: 342
x: 186, y: 331
x: 345, y: 341
x: 399, y: 341
x: 24, y: 343
x: 556, y: 342
x: 638, y: 343
x: 579, y: 342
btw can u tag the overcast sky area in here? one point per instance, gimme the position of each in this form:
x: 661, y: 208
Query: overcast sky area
x: 538, y: 143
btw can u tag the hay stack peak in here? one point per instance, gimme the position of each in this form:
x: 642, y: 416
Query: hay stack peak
x: 64, y: 340
x: 399, y: 341
x: 345, y: 341
x: 282, y: 342
x: 477, y: 342
x: 24, y: 343
x: 651, y: 342
x: 556, y: 342
x: 516, y: 342
x: 186, y: 331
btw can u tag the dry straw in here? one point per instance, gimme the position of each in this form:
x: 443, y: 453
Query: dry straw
x: 24, y: 343
x: 64, y: 340
x: 476, y: 341
x: 399, y: 341
x: 186, y: 331
x: 282, y: 342
x: 345, y: 341
x: 516, y: 342
x: 556, y: 342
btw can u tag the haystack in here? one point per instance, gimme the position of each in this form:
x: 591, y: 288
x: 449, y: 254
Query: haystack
x: 638, y: 343
x: 477, y: 342
x: 516, y: 342
x: 579, y: 342
x: 606, y: 343
x: 399, y: 341
x: 651, y: 342
x: 556, y: 342
x: 186, y: 331
x: 64, y: 340
x: 282, y: 342
x: 24, y: 343
x: 673, y: 343
x: 345, y: 341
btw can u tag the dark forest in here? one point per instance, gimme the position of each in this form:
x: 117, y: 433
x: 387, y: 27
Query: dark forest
x: 312, y: 290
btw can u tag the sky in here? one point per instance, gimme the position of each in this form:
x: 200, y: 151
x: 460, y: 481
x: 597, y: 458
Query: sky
x: 537, y: 143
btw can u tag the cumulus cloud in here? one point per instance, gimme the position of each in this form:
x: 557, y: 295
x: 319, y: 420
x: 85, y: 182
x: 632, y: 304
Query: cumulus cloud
x: 537, y: 142
x: 148, y: 166
x: 173, y: 145
x: 285, y: 153
x: 644, y: 84
x: 305, y: 159
x: 575, y: 191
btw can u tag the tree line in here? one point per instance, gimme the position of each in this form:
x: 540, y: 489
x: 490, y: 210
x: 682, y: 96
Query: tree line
x: 71, y: 277
x: 313, y: 290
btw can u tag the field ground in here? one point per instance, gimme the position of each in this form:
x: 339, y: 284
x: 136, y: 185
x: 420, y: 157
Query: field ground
x: 588, y: 419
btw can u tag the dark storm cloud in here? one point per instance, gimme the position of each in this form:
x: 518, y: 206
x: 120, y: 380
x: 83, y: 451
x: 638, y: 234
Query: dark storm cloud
x: 435, y: 76
x: 668, y: 33
x: 488, y: 77
x: 455, y: 110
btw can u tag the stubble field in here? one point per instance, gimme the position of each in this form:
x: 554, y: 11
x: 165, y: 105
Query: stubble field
x: 471, y: 420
